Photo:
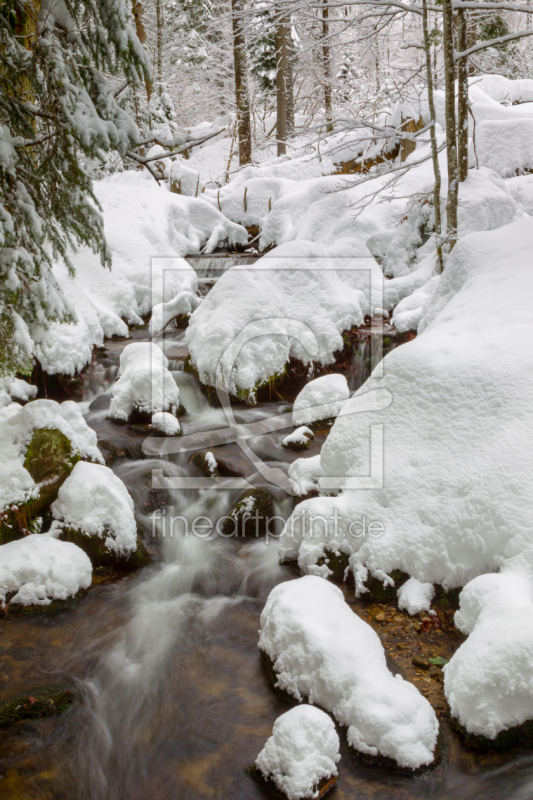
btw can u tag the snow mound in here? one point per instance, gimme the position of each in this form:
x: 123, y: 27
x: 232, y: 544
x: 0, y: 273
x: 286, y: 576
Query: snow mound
x: 94, y: 501
x: 322, y: 398
x: 299, y: 438
x: 302, y: 751
x: 17, y: 424
x: 506, y: 146
x: 16, y: 389
x: 321, y: 649
x: 143, y: 222
x: 305, y: 472
x: 257, y: 317
x: 42, y: 569
x: 144, y: 383
x: 415, y: 596
x: 166, y: 423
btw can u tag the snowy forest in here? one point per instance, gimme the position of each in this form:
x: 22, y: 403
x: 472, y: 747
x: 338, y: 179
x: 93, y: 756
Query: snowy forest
x: 266, y: 514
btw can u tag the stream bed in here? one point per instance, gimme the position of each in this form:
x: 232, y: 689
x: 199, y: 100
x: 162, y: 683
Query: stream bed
x: 175, y: 702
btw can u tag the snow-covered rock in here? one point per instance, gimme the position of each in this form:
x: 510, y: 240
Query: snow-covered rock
x: 321, y: 649
x: 166, y: 423
x: 256, y: 317
x: 42, y: 569
x: 302, y: 751
x: 144, y: 383
x: 299, y: 439
x: 414, y: 596
x: 322, y: 398
x: 184, y: 303
x: 16, y: 389
x: 93, y: 501
x: 17, y: 425
x: 305, y: 472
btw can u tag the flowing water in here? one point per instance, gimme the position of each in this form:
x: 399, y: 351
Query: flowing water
x: 175, y: 701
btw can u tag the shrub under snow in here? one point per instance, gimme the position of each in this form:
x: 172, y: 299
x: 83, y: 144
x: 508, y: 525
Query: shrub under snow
x: 302, y: 751
x: 144, y: 383
x: 321, y: 649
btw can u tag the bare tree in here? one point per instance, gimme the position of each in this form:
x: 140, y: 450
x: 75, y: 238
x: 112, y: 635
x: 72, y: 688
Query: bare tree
x: 282, y: 68
x: 244, y: 131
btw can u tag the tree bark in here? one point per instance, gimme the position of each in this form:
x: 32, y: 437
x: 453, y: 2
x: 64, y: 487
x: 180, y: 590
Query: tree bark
x: 451, y: 125
x: 462, y: 97
x: 282, y: 63
x: 138, y: 16
x: 159, y: 21
x: 433, y: 137
x: 244, y: 125
x: 326, y: 57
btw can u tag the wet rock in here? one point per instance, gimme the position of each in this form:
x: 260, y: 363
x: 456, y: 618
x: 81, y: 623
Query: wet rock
x: 251, y: 514
x: 518, y: 736
x: 378, y: 592
x: 337, y: 562
x: 300, y: 439
x: 45, y: 702
x: 420, y: 662
x: 110, y: 452
x: 101, y: 556
x: 206, y: 463
x: 101, y: 402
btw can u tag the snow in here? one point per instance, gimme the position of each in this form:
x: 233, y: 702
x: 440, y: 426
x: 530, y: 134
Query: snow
x: 505, y: 146
x: 42, y: 569
x: 16, y: 389
x: 304, y: 472
x: 166, y: 423
x: 94, y: 501
x: 256, y: 317
x: 301, y: 436
x: 144, y: 383
x: 414, y: 596
x: 302, y: 751
x: 211, y: 463
x: 143, y: 223
x: 322, y: 650
x: 17, y: 424
x: 322, y: 398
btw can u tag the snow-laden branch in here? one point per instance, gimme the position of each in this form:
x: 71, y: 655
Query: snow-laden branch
x: 492, y: 43
x: 488, y: 6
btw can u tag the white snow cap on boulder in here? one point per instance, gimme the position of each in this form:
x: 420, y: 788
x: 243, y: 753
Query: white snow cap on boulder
x: 144, y: 383
x: 321, y: 649
x: 42, y: 569
x: 415, y: 596
x: 302, y: 751
x: 95, y: 501
x: 166, y: 423
x: 17, y: 425
x: 320, y: 399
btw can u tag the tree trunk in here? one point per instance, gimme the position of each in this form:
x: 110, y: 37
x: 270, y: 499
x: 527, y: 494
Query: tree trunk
x: 326, y: 56
x: 433, y: 137
x: 290, y: 93
x: 451, y: 126
x: 159, y: 19
x: 282, y: 63
x: 138, y: 16
x: 462, y: 97
x: 244, y: 124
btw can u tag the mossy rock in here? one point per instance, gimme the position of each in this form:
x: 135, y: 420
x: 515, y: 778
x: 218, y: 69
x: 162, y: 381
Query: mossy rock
x: 303, y: 444
x: 250, y: 515
x: 337, y: 562
x: 46, y: 702
x: 49, y: 459
x: 379, y: 593
x: 54, y: 607
x: 200, y: 462
x: 517, y: 736
x: 101, y: 556
x: 272, y: 790
x: 268, y: 664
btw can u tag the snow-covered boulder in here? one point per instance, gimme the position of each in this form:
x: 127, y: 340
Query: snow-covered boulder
x: 302, y: 754
x: 257, y: 317
x: 16, y: 389
x: 320, y: 649
x: 305, y: 472
x: 40, y: 443
x: 300, y: 439
x: 144, y: 385
x: 414, y: 596
x: 40, y: 569
x: 322, y: 398
x: 184, y: 303
x: 95, y: 510
x: 166, y: 423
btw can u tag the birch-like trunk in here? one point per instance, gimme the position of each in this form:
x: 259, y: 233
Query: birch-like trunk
x: 433, y: 137
x: 244, y: 124
x: 451, y: 125
x: 326, y: 57
x: 462, y: 97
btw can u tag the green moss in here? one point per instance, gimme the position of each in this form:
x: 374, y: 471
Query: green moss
x: 49, y: 460
x: 251, y: 517
x: 46, y: 702
x: 55, y: 607
x: 379, y: 593
x: 101, y: 556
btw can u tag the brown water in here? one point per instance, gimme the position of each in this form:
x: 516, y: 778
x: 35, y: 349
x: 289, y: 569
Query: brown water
x: 175, y: 701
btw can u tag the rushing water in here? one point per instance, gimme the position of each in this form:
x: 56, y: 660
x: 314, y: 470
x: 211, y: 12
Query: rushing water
x: 176, y: 703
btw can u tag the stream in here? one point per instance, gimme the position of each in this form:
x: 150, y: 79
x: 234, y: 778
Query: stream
x: 175, y: 700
